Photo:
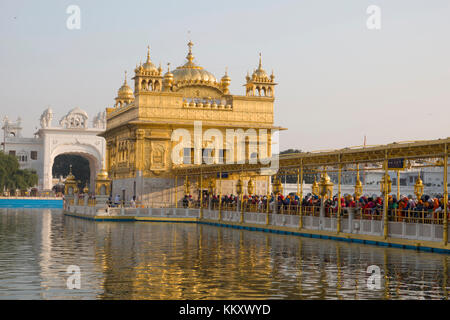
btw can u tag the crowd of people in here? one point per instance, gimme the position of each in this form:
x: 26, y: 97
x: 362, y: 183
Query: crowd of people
x: 373, y: 206
x: 427, y: 206
x: 118, y: 201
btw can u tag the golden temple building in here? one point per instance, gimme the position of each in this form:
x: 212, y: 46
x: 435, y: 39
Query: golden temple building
x: 142, y: 122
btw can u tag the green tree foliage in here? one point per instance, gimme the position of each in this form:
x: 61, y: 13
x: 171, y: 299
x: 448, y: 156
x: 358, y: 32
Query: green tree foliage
x: 291, y: 151
x: 80, y: 168
x: 12, y: 178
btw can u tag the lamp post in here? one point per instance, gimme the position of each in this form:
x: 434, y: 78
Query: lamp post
x: 211, y: 187
x: 300, y: 197
x: 315, y: 187
x: 268, y: 200
x: 239, y: 187
x: 176, y: 193
x: 70, y: 188
x: 338, y: 225
x: 385, y: 185
x: 385, y: 188
x: 358, y: 185
x: 186, y: 192
x: 418, y: 187
x: 250, y: 187
x: 201, y: 194
x: 86, y: 195
x: 277, y: 189
x: 325, y: 189
x: 220, y: 195
x: 445, y: 223
x: 187, y: 185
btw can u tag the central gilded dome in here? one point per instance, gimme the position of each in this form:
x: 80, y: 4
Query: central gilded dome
x: 191, y: 72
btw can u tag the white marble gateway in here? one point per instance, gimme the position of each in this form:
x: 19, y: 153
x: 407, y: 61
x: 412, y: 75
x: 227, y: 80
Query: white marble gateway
x: 72, y: 136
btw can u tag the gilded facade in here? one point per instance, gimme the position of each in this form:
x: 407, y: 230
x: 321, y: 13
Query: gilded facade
x: 141, y: 122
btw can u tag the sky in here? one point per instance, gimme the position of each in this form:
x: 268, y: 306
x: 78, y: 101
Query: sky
x: 338, y: 80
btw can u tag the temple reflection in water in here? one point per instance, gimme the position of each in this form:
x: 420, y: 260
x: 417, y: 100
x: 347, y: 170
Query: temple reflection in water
x: 139, y: 260
x: 186, y: 261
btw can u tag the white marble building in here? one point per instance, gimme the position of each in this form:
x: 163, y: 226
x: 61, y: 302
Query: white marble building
x: 72, y: 136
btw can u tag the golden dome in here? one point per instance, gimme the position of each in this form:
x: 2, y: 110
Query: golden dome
x: 168, y: 74
x: 102, y: 175
x: 191, y: 72
x: 70, y: 177
x: 125, y: 92
x: 226, y: 78
x: 260, y: 74
x: 148, y: 65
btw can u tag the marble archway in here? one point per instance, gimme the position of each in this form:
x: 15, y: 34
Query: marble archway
x: 88, y: 151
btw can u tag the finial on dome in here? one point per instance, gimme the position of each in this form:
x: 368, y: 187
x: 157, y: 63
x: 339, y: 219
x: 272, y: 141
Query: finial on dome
x: 190, y: 57
x: 226, y: 77
x: 125, y: 82
x: 225, y: 82
x: 260, y: 64
x: 168, y: 66
x: 148, y: 53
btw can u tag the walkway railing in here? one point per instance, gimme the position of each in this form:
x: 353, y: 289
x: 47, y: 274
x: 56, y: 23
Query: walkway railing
x: 421, y: 216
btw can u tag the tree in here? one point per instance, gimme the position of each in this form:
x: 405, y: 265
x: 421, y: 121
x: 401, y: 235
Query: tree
x: 291, y: 151
x: 12, y: 177
x: 80, y: 168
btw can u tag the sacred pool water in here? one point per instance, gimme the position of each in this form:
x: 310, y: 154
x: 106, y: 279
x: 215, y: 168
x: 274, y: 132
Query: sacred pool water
x: 143, y: 260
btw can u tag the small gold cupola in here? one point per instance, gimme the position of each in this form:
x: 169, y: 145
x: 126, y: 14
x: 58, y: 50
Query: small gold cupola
x: 225, y: 82
x: 124, y: 94
x: 260, y: 84
x: 147, y: 76
x: 148, y: 65
x: 168, y: 79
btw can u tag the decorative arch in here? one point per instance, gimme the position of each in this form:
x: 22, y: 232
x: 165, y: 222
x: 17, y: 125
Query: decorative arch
x: 90, y: 152
x: 156, y: 86
x: 144, y: 85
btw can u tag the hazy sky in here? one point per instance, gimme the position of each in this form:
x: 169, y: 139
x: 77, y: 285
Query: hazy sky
x: 338, y: 80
